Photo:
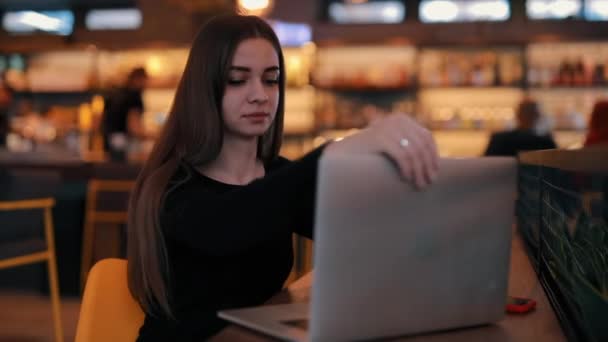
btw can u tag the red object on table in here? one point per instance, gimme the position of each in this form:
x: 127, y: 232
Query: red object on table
x: 520, y: 305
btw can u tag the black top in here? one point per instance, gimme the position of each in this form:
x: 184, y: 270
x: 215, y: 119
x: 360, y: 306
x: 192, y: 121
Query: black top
x: 230, y: 246
x: 511, y: 142
x: 118, y: 104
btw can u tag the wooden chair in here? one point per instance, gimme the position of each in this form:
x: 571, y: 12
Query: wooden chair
x: 36, y: 250
x: 98, y: 213
x: 302, y: 258
x: 108, y: 311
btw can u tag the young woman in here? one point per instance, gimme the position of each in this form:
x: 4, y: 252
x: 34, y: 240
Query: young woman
x: 213, y: 210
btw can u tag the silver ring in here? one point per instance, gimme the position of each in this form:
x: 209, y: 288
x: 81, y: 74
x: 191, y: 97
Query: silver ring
x: 404, y: 142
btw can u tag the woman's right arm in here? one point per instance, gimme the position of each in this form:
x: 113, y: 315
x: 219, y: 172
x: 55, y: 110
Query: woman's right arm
x: 237, y: 220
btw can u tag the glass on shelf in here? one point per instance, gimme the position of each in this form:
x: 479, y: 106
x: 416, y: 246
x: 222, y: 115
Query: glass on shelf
x: 470, y: 67
x: 471, y: 117
x: 349, y: 67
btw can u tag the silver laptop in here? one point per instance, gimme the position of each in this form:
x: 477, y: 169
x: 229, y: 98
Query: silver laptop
x: 391, y: 261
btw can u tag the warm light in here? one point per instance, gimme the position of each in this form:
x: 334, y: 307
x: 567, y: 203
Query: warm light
x: 440, y: 10
x: 254, y: 5
x: 154, y: 66
x: 85, y: 117
x: 309, y: 47
x: 294, y: 62
x: 97, y: 104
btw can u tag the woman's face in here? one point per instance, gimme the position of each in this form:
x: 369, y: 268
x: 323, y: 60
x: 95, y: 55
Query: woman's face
x: 252, y: 90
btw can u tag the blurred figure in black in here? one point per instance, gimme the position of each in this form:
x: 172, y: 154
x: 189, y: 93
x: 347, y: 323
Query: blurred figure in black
x: 6, y: 99
x: 123, y: 112
x: 524, y: 137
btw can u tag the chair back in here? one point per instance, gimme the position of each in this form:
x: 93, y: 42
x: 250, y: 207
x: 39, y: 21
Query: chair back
x: 106, y: 204
x: 108, y: 311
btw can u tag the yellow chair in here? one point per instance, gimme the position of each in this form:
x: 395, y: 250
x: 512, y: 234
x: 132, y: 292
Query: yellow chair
x: 108, y: 311
x: 94, y: 214
x: 37, y: 251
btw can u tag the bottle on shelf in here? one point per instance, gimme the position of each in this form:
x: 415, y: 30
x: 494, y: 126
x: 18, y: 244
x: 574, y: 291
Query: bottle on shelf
x: 565, y: 77
x: 579, y: 72
x: 598, y: 75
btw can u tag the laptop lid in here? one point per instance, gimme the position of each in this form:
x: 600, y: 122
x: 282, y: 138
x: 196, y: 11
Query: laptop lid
x: 390, y: 260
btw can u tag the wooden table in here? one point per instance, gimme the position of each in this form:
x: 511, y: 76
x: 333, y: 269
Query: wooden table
x: 537, y: 326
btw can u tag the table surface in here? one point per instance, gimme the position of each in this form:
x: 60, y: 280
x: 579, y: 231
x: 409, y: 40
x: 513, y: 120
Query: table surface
x: 539, y: 325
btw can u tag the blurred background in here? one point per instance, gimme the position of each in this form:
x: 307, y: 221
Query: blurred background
x: 460, y: 67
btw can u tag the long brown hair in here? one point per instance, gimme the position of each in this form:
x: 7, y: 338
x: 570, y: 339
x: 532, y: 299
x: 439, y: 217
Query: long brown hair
x: 598, y: 124
x: 193, y: 133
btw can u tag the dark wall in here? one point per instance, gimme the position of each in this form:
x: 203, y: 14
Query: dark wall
x: 164, y: 24
x: 296, y: 11
x: 517, y: 30
x: 511, y: 32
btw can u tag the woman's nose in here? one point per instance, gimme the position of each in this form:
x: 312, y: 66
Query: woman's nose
x: 257, y: 92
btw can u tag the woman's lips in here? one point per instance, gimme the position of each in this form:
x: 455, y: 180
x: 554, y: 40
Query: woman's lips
x: 258, y: 115
x: 257, y: 118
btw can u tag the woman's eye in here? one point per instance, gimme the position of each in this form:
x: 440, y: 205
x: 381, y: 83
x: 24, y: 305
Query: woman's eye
x: 272, y: 81
x: 235, y: 82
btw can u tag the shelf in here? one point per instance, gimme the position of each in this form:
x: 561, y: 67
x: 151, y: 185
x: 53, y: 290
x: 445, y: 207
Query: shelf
x: 412, y: 88
x: 345, y: 89
x: 574, y: 88
x: 58, y: 93
x: 471, y: 87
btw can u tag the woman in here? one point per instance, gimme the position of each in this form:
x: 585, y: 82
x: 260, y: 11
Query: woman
x: 598, y: 124
x: 213, y: 210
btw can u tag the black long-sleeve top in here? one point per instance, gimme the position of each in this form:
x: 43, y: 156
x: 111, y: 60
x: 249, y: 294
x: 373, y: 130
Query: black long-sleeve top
x: 230, y: 246
x: 511, y: 142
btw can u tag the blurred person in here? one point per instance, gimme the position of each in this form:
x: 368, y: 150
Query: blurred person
x: 524, y: 137
x: 6, y: 100
x: 213, y: 210
x: 598, y: 124
x: 26, y: 119
x: 124, y: 108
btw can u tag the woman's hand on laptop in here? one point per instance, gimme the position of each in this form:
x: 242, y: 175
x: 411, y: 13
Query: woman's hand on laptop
x: 403, y: 140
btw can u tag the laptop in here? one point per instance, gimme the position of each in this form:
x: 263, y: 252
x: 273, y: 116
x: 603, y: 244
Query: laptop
x: 392, y: 261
